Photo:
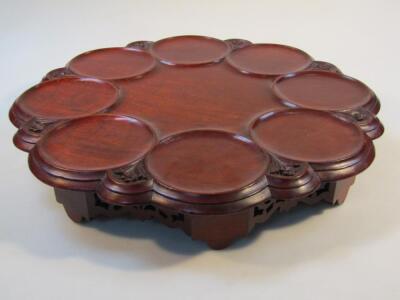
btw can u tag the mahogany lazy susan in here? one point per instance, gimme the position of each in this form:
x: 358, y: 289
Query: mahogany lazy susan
x: 198, y: 133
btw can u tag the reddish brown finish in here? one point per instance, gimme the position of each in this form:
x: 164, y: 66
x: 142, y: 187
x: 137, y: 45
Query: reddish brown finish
x: 189, y: 50
x: 331, y: 91
x: 63, y: 99
x: 268, y: 59
x: 112, y: 63
x: 323, y: 91
x: 307, y: 135
x: 90, y: 144
x: 216, y: 229
x: 202, y: 134
x: 59, y: 73
x: 206, y: 161
x: 291, y: 180
x: 83, y: 149
x: 185, y: 98
x: 335, y: 147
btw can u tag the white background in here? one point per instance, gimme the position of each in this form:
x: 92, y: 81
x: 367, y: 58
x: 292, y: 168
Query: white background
x: 349, y: 252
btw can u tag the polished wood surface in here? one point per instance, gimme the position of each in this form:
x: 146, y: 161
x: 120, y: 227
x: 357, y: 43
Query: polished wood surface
x: 207, y: 162
x: 269, y: 60
x: 64, y: 98
x: 323, y: 91
x: 189, y: 50
x: 207, y: 135
x: 112, y: 63
x: 309, y: 135
x: 91, y: 143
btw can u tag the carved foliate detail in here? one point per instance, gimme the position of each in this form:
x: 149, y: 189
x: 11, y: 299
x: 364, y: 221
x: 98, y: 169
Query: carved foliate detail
x: 366, y: 120
x: 284, y: 168
x: 58, y: 73
x: 235, y: 44
x: 35, y: 126
x: 323, y: 66
x: 140, y: 45
x: 131, y: 174
x: 361, y: 115
x: 264, y: 211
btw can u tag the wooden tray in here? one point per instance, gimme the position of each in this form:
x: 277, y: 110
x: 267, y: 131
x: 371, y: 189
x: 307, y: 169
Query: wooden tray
x: 206, y: 135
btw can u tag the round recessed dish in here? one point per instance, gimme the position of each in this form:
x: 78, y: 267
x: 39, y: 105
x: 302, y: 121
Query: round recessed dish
x: 322, y: 90
x: 112, y: 63
x: 95, y: 143
x: 190, y: 50
x: 206, y: 162
x: 268, y: 59
x: 64, y: 98
x: 308, y: 136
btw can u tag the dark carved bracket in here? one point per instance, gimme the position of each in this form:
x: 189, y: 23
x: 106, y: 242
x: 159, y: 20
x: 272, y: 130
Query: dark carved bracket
x: 290, y: 179
x: 366, y: 120
x: 35, y: 126
x: 30, y: 132
x: 127, y: 185
x: 235, y: 44
x: 287, y: 169
x: 133, y: 174
x: 58, y: 73
x: 319, y: 65
x: 140, y: 45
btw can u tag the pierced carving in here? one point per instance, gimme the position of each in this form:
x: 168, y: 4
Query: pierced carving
x: 178, y: 217
x: 322, y: 194
x: 117, y: 207
x: 265, y: 210
x: 235, y: 44
x: 132, y: 174
x: 149, y: 207
x: 101, y: 204
x: 163, y: 214
x: 323, y: 66
x: 105, y: 206
x: 258, y: 211
x: 140, y: 45
x: 144, y: 211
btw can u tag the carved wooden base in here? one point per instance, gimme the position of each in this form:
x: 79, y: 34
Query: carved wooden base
x: 218, y: 231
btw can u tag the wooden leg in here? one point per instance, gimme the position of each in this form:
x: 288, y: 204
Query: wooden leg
x: 340, y: 190
x: 75, y: 204
x: 219, y: 231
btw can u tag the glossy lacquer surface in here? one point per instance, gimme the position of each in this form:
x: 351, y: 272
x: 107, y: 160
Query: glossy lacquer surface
x: 310, y: 136
x: 90, y: 144
x: 210, y: 133
x: 206, y: 162
x: 323, y: 91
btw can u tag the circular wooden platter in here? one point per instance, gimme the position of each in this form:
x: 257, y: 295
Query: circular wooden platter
x: 207, y: 166
x: 217, y: 132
